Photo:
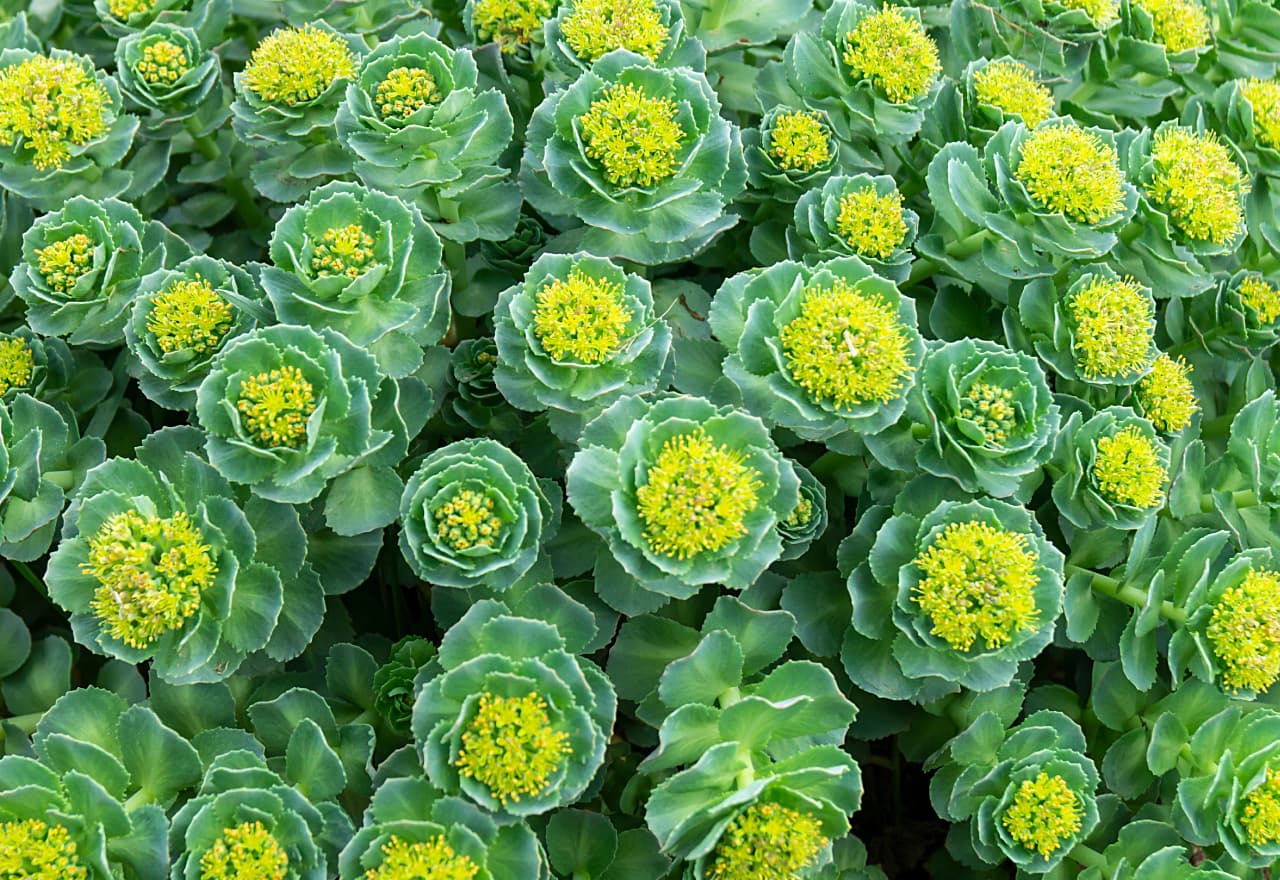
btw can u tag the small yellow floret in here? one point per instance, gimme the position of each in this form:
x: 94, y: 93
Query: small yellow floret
x: 870, y: 223
x: 1263, y: 96
x: 801, y: 515
x: 635, y: 137
x: 276, y: 405
x: 344, y: 250
x: 245, y: 851
x: 189, y: 315
x: 799, y: 140
x: 17, y: 363
x: 847, y: 347
x: 152, y: 572
x: 1245, y: 631
x: 32, y: 850
x: 978, y: 584
x: 594, y: 28
x: 296, y: 65
x: 62, y: 263
x: 432, y: 860
x: 1177, y: 24
x: 510, y: 23
x: 581, y: 319
x: 1044, y: 815
x: 1166, y: 394
x: 162, y: 63
x: 123, y: 9
x: 1013, y: 88
x: 1114, y: 327
x: 767, y: 842
x: 1198, y: 183
x: 51, y: 105
x: 1102, y: 12
x: 891, y: 50
x: 1128, y: 469
x: 467, y: 519
x: 991, y: 408
x: 696, y: 496
x: 1261, y: 297
x: 1072, y: 171
x: 404, y: 92
x: 1260, y: 814
x: 511, y: 748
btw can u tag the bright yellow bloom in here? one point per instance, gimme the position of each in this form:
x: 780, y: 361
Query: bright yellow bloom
x: 467, y: 519
x: 1013, y: 88
x: 344, y: 250
x: 1260, y: 814
x: 510, y: 747
x: 594, y: 28
x: 188, y: 314
x: 1166, y: 394
x: 799, y: 140
x: 635, y: 137
x: 1263, y: 96
x: 162, y: 63
x: 1044, y: 815
x: 50, y: 105
x: 767, y: 842
x: 432, y: 860
x: 696, y: 496
x: 1261, y: 297
x: 1178, y: 24
x: 978, y: 584
x: 1198, y: 183
x: 17, y: 363
x: 405, y: 91
x: 152, y: 571
x: 247, y: 850
x: 990, y: 407
x: 870, y: 223
x: 296, y: 65
x: 891, y: 50
x: 32, y: 850
x: 62, y: 263
x: 581, y: 319
x: 1128, y: 470
x: 1245, y: 631
x: 1114, y: 324
x: 1072, y: 171
x: 1102, y: 12
x: 510, y: 23
x: 275, y: 407
x: 123, y: 9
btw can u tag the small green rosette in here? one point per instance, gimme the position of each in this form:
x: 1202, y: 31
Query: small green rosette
x: 169, y: 88
x: 583, y: 31
x: 834, y: 221
x: 1120, y: 490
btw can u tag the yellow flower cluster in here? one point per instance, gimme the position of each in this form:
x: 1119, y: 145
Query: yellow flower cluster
x: 245, y: 850
x: 405, y: 91
x: 1244, y: 631
x: 1260, y: 813
x: 162, y: 63
x: 891, y: 50
x: 1128, y: 470
x: 1013, y: 88
x: 17, y: 363
x: 1045, y: 813
x: 1198, y: 183
x: 1166, y: 394
x: 343, y: 250
x: 32, y: 850
x: 276, y: 405
x: 767, y: 842
x: 1114, y: 324
x: 511, y: 748
x: 870, y: 223
x: 433, y: 859
x: 799, y: 140
x: 1072, y: 171
x: 468, y: 519
x: 50, y: 105
x: 581, y: 319
x: 296, y: 65
x: 635, y: 137
x: 594, y: 28
x: 189, y: 315
x: 510, y: 23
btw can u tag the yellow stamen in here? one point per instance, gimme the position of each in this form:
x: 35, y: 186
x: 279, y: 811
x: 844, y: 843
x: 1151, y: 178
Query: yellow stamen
x: 511, y: 748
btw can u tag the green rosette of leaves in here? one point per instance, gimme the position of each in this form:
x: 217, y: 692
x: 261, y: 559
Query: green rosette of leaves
x: 122, y: 18
x: 859, y: 216
x: 828, y: 351
x: 577, y: 334
x: 76, y: 147
x: 1147, y: 848
x: 246, y: 821
x: 411, y: 829
x: 365, y: 264
x: 286, y: 104
x: 514, y: 26
x: 1229, y: 784
x: 393, y: 682
x: 82, y: 265
x: 808, y: 520
x: 1028, y: 795
x: 508, y: 718
x: 990, y: 416
x: 1192, y: 187
x: 1001, y: 90
x: 166, y: 74
x: 420, y: 125
x: 947, y: 592
x: 381, y: 18
x: 1243, y: 311
x: 1110, y: 470
x: 289, y: 411
x: 73, y: 380
x: 473, y: 514
x: 634, y: 161
x: 584, y: 31
x: 1057, y: 36
x: 474, y: 399
x: 161, y: 561
x: 873, y: 72
x: 791, y: 152
x: 684, y: 493
x: 1100, y: 330
x: 181, y: 318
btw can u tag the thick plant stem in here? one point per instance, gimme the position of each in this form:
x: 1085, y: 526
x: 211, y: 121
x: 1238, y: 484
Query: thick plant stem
x: 1128, y: 594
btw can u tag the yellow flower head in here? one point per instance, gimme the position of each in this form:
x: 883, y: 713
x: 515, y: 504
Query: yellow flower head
x: 799, y: 140
x: 32, y: 850
x: 696, y: 496
x: 1044, y: 815
x: 581, y: 319
x: 1261, y: 297
x: 1013, y: 88
x: 275, y: 407
x: 404, y: 92
x: 767, y: 842
x: 51, y: 105
x: 635, y: 138
x: 243, y: 851
x: 344, y: 250
x: 1072, y: 171
x: 594, y: 28
x: 870, y: 223
x: 1198, y: 183
x: 1102, y: 12
x: 1260, y: 812
x: 1245, y: 631
x: 296, y: 65
x: 17, y: 363
x: 1128, y: 470
x: 123, y: 9
x: 1166, y: 394
x: 847, y: 346
x: 1177, y: 24
x: 1114, y: 324
x: 467, y: 519
x: 990, y: 407
x: 62, y: 263
x: 434, y: 860
x: 1263, y: 96
x: 510, y: 23
x: 189, y: 315
x: 977, y: 583
x: 510, y: 747
x: 162, y: 63
x: 152, y: 571
x: 801, y: 515
x: 891, y: 50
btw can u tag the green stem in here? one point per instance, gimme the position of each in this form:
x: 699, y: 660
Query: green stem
x: 25, y: 723
x: 30, y: 577
x: 64, y: 480
x: 1240, y: 500
x: 968, y: 246
x: 1128, y: 594
x: 137, y: 799
x: 234, y: 185
x: 921, y: 270
x: 1088, y: 856
x: 455, y: 258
